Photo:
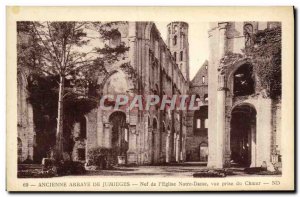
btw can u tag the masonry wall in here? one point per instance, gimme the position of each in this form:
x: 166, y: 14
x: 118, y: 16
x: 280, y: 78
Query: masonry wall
x: 26, y: 133
x: 199, y: 87
x: 158, y: 74
x: 225, y: 38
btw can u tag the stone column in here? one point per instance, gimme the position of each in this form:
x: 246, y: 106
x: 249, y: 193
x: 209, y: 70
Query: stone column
x: 227, y: 148
x: 168, y: 147
x: 132, y: 146
x: 222, y: 37
x: 177, y: 148
x: 217, y: 100
x: 108, y: 136
x: 221, y: 115
x: 100, y: 128
x: 221, y: 103
x: 264, y: 130
x: 253, y: 143
x: 31, y: 132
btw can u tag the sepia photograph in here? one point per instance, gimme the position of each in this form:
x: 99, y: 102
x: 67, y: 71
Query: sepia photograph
x: 125, y: 100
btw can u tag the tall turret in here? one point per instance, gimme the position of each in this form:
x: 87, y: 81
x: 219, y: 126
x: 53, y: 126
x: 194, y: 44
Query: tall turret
x: 179, y: 45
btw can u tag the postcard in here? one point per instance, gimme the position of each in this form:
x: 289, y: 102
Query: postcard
x: 150, y: 99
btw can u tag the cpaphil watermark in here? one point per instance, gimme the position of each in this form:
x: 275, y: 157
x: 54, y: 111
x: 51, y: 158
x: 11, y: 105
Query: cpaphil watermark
x: 149, y: 102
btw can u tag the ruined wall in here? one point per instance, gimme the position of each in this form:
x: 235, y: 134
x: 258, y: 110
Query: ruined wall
x: 26, y: 133
x: 158, y: 74
x: 230, y: 38
x: 199, y: 87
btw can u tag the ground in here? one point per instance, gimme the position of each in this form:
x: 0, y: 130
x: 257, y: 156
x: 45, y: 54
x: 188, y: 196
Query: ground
x: 187, y: 169
x: 175, y: 170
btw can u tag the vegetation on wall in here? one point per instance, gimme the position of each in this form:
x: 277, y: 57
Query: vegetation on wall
x: 265, y: 57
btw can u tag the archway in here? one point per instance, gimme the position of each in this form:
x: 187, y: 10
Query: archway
x: 243, y: 82
x: 119, y: 133
x: 200, y: 126
x: 243, y: 135
x: 115, y: 84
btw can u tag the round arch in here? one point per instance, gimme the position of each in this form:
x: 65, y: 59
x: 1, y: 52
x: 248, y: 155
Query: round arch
x: 119, y: 132
x: 148, y: 30
x: 232, y: 70
x: 154, y: 123
x: 118, y: 80
x: 243, y: 103
x: 243, y: 134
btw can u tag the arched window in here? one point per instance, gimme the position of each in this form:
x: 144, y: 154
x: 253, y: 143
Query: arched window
x: 175, y: 56
x: 243, y: 83
x: 203, y: 79
x: 200, y: 121
x: 174, y: 40
x: 116, y: 84
x: 181, y: 55
x: 115, y: 39
x: 175, y: 28
x: 154, y: 124
x: 118, y: 131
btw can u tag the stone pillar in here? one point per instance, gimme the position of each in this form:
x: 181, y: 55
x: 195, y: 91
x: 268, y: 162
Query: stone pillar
x: 100, y: 128
x: 174, y: 147
x: 177, y: 148
x: 132, y: 43
x: 31, y: 133
x: 132, y: 148
x: 146, y: 143
x: 264, y: 130
x: 221, y: 115
x: 222, y: 37
x: 253, y: 143
x: 227, y: 148
x: 217, y: 99
x: 168, y: 147
x: 107, y: 135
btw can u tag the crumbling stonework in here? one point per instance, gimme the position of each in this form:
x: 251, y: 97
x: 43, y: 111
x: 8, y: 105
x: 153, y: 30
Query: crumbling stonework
x: 26, y: 133
x: 155, y: 136
x: 224, y: 98
x: 197, y: 138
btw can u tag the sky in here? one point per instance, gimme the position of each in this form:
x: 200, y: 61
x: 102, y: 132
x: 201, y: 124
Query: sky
x: 198, y: 43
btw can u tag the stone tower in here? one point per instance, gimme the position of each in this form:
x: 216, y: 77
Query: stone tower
x: 179, y: 46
